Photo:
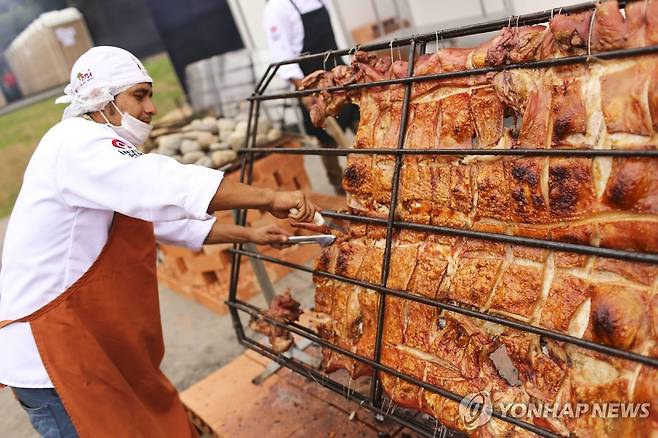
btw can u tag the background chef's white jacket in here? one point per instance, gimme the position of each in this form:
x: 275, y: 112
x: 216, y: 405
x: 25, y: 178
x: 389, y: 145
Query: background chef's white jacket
x: 80, y: 173
x: 285, y: 32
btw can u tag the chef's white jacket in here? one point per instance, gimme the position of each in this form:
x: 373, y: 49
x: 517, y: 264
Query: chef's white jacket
x: 81, y: 172
x: 285, y: 32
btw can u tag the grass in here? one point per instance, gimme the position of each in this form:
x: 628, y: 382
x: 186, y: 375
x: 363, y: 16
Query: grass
x: 21, y: 130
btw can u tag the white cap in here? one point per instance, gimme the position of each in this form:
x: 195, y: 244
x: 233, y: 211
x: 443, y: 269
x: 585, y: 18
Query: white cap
x: 97, y: 76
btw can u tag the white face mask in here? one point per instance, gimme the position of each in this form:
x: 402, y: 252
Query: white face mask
x: 132, y: 129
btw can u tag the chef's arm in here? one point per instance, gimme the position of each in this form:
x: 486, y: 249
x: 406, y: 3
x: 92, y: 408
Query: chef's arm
x: 231, y: 194
x: 229, y: 233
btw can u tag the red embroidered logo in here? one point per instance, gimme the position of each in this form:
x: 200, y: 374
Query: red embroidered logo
x: 119, y: 144
x: 126, y: 149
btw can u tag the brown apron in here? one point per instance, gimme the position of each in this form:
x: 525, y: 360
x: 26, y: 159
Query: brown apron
x: 101, y: 343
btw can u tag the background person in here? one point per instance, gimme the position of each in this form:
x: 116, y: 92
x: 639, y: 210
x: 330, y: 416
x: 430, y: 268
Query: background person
x: 294, y: 27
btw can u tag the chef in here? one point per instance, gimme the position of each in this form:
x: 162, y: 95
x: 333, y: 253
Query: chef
x: 80, y: 334
x: 294, y: 27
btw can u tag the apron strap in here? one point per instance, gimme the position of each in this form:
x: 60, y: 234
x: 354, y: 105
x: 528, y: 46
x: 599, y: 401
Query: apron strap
x: 295, y: 6
x: 292, y: 2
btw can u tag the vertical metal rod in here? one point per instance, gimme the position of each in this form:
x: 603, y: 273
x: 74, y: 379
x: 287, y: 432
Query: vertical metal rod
x: 375, y: 389
x: 237, y: 258
x: 267, y: 79
x: 252, y: 143
x: 263, y: 278
x: 262, y: 79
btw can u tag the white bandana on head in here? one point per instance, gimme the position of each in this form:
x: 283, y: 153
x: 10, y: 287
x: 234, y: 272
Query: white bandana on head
x: 97, y: 76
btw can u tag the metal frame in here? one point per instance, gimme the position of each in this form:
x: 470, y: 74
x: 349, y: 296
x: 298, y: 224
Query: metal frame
x: 374, y: 400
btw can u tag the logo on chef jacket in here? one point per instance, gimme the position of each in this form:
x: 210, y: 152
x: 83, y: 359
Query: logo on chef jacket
x: 125, y: 148
x: 274, y: 31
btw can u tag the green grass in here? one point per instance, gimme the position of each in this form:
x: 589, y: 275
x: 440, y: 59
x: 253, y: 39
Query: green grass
x: 21, y: 130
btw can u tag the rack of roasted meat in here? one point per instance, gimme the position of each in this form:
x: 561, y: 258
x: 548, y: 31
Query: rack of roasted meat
x: 502, y: 201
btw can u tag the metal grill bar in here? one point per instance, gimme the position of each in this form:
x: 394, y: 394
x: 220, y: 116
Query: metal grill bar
x: 623, y: 354
x: 635, y: 153
x: 379, y: 367
x: 545, y: 63
x: 375, y: 390
x: 503, y: 238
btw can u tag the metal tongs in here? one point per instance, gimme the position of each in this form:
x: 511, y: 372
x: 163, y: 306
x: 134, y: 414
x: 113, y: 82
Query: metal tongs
x: 323, y: 240
x: 319, y: 225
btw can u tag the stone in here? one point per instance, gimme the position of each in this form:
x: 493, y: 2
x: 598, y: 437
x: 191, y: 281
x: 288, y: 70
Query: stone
x: 204, y: 161
x: 205, y: 139
x: 189, y: 146
x: 219, y: 146
x: 219, y: 158
x: 273, y: 134
x: 192, y: 157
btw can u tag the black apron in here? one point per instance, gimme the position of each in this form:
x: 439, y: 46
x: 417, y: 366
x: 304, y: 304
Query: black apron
x: 318, y: 37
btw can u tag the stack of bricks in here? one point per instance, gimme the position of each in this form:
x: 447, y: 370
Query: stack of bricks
x: 204, y: 276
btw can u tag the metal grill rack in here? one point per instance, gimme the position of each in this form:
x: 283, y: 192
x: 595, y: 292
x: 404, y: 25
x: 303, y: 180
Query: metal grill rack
x: 374, y: 401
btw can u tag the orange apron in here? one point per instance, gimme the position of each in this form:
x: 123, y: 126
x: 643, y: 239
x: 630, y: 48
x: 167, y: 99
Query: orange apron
x: 101, y: 343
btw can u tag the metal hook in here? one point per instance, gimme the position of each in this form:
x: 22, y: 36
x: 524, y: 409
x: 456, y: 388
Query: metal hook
x: 437, y: 40
x: 517, y: 20
x: 509, y: 22
x: 354, y: 49
x: 559, y: 11
x: 589, y: 36
x: 326, y: 57
x: 390, y: 45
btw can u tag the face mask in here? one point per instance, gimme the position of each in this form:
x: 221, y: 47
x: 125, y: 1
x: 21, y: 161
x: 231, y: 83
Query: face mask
x: 132, y: 129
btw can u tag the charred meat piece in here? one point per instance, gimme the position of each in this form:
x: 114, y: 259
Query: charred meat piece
x: 285, y: 310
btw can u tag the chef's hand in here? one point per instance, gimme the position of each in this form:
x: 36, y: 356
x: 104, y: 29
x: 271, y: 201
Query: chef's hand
x: 302, y: 208
x: 268, y: 235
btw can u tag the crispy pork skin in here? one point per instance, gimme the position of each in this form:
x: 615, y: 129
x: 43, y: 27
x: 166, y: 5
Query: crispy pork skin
x: 604, y: 201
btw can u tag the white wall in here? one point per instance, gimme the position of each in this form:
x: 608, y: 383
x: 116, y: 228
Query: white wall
x: 528, y: 6
x: 356, y: 13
